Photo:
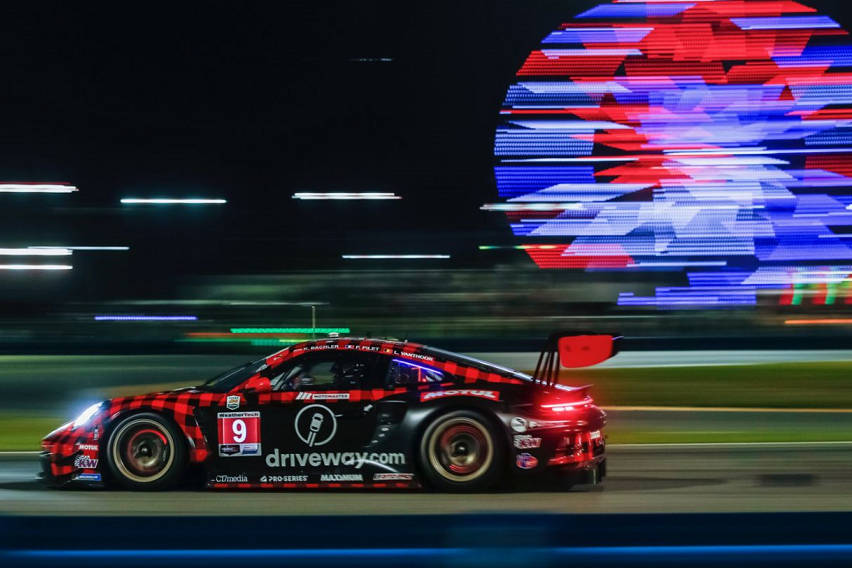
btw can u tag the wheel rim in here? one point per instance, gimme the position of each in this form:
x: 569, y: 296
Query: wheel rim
x: 142, y: 450
x: 460, y: 449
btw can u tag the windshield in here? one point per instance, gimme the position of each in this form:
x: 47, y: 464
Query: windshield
x: 232, y: 377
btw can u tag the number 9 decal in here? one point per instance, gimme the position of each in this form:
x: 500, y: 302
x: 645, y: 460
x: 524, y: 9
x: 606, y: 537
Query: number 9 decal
x: 239, y: 429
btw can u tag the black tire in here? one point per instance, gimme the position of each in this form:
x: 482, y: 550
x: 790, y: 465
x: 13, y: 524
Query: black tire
x: 462, y: 451
x: 146, y: 451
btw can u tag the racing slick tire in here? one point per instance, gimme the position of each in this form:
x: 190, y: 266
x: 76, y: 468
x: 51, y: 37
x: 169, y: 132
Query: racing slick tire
x: 146, y: 451
x: 461, y: 451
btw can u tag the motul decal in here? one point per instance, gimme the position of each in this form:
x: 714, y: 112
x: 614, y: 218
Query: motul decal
x: 322, y: 396
x: 490, y: 395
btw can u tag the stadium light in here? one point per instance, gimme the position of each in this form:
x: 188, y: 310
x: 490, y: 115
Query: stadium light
x: 172, y: 201
x: 41, y: 251
x: 130, y: 317
x: 72, y: 248
x: 393, y: 256
x: 35, y: 267
x: 37, y: 188
x: 344, y: 195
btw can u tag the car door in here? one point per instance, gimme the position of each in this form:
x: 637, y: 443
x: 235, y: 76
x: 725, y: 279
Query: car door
x: 318, y: 419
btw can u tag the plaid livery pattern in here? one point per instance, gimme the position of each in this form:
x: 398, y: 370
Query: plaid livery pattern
x: 62, y: 444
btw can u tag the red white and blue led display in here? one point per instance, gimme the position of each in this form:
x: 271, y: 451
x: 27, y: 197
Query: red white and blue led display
x: 711, y: 137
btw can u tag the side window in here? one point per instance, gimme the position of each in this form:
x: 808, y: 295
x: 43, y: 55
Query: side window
x: 405, y: 373
x: 332, y: 370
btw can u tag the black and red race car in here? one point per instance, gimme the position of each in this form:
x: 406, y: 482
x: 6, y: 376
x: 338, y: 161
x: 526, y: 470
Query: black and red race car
x: 349, y: 413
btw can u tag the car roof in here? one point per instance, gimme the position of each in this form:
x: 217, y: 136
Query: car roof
x: 393, y: 347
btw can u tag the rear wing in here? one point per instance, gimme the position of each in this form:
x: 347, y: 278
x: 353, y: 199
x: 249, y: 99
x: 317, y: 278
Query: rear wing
x: 573, y: 350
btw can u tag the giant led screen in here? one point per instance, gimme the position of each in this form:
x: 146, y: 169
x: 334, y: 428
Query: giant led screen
x: 710, y: 139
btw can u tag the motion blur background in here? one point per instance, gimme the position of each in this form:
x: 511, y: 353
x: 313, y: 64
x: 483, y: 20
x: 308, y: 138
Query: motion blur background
x: 162, y: 174
x: 256, y: 110
x: 256, y: 105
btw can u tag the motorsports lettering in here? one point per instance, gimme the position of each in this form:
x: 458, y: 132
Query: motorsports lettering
x: 332, y: 459
x: 490, y: 395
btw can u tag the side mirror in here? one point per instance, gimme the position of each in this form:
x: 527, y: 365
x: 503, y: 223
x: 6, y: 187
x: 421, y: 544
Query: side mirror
x: 585, y: 350
x: 257, y: 385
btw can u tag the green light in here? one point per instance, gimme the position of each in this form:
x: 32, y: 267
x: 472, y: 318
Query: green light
x: 797, y: 294
x: 830, y: 293
x: 289, y: 330
x: 274, y: 342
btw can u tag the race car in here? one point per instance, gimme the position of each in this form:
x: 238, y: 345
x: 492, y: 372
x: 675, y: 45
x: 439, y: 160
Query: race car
x: 348, y: 413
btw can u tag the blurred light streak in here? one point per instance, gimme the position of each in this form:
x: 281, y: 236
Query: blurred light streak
x: 35, y: 267
x: 249, y: 340
x: 371, y: 59
x: 559, y: 206
x: 172, y: 201
x: 116, y: 248
x: 344, y: 195
x: 823, y: 321
x: 517, y: 247
x: 37, y: 188
x: 144, y: 318
x: 290, y: 330
x: 393, y: 256
x: 215, y: 303
x: 32, y: 251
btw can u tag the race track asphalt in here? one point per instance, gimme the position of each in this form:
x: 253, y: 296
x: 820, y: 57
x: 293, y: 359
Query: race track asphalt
x: 650, y: 478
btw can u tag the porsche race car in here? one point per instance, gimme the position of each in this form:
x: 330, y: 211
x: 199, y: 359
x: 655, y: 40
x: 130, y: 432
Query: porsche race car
x: 348, y: 413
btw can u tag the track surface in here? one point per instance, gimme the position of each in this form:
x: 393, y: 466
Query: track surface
x: 681, y: 478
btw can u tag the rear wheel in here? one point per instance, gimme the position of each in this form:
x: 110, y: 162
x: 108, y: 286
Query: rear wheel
x: 146, y: 451
x: 461, y: 451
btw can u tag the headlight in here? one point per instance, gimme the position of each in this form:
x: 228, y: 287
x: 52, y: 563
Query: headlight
x: 86, y: 415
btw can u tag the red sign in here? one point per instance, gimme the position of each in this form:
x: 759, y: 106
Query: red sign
x: 239, y: 433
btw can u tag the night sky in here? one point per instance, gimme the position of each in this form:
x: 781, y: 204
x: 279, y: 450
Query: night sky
x: 252, y: 102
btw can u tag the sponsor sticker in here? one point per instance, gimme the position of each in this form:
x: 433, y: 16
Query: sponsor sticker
x: 322, y: 396
x: 284, y: 479
x: 490, y: 395
x: 233, y: 401
x: 239, y: 478
x: 88, y: 477
x: 596, y: 435
x: 526, y: 461
x: 519, y: 424
x: 239, y: 433
x: 527, y: 442
x: 85, y: 462
x: 316, y: 425
x: 356, y: 460
x: 87, y: 447
x: 335, y: 477
x: 393, y: 476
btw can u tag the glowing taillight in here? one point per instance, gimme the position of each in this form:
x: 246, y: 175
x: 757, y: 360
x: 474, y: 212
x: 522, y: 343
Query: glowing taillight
x: 566, y: 407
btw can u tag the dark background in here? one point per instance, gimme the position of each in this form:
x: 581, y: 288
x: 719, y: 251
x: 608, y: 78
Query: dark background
x: 252, y: 102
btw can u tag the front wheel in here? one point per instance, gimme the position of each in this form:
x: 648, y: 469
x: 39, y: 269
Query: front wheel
x: 461, y: 451
x: 146, y: 451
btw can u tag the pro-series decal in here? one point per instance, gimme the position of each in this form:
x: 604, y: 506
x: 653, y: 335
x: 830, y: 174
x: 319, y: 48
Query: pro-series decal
x: 431, y: 395
x: 239, y: 433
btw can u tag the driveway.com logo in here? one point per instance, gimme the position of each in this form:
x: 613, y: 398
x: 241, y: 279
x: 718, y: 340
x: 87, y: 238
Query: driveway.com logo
x: 316, y: 425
